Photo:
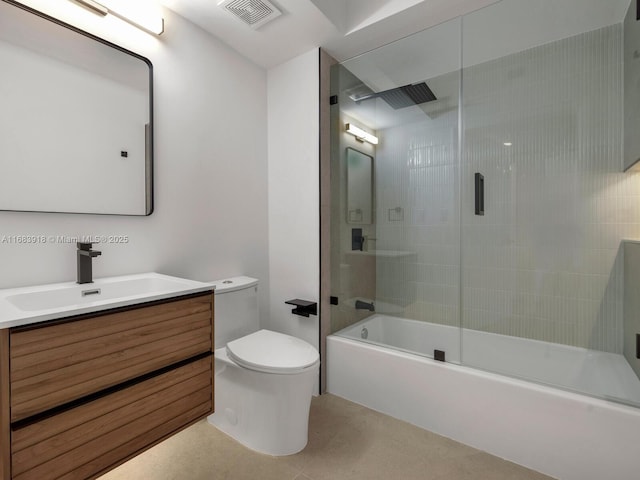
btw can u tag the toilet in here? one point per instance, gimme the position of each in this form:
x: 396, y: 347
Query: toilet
x: 264, y: 380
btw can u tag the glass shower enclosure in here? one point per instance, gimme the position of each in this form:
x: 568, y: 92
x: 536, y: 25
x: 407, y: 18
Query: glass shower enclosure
x: 481, y: 206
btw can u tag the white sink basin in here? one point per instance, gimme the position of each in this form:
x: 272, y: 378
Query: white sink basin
x: 22, y: 306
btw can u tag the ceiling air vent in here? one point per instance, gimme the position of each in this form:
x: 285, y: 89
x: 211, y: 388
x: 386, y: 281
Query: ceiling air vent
x: 254, y: 13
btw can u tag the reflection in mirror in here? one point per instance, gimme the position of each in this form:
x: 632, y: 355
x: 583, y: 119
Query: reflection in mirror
x: 359, y: 187
x: 75, y: 122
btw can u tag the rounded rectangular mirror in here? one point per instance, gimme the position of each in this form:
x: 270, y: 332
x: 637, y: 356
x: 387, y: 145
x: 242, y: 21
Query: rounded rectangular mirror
x: 76, y: 130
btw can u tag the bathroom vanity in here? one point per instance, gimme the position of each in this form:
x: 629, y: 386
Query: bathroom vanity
x: 99, y: 381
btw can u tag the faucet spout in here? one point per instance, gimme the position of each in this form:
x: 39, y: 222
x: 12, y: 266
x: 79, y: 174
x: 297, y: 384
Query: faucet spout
x: 89, y: 253
x: 360, y: 305
x: 84, y: 256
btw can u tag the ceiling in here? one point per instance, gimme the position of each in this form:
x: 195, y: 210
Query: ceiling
x: 508, y: 27
x: 348, y: 28
x: 344, y: 28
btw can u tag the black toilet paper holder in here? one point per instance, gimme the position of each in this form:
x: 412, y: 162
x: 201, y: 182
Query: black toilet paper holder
x: 304, y: 308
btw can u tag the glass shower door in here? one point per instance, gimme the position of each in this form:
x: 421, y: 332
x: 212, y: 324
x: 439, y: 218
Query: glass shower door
x: 395, y: 221
x: 486, y: 221
x: 542, y: 263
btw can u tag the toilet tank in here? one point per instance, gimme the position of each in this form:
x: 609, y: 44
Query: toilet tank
x: 236, y: 309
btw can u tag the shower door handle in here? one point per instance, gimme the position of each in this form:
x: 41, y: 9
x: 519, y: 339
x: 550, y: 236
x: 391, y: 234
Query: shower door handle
x: 479, y: 196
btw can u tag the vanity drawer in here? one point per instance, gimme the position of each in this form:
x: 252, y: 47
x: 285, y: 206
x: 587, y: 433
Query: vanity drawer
x: 93, y: 437
x: 52, y: 365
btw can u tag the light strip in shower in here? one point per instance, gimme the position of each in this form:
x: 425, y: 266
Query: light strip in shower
x: 361, y: 134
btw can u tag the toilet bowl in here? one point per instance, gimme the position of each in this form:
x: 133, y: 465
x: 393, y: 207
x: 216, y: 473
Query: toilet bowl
x: 263, y: 379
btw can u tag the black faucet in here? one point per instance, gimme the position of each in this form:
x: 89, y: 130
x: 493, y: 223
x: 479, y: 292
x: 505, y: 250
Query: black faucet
x: 85, y: 254
x: 357, y: 240
x: 360, y: 305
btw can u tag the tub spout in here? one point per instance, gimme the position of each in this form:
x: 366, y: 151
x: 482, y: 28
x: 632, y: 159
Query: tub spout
x: 360, y: 305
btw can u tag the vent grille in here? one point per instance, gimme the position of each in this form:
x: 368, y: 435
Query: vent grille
x: 254, y: 13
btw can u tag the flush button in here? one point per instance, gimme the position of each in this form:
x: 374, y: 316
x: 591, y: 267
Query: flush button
x: 227, y: 281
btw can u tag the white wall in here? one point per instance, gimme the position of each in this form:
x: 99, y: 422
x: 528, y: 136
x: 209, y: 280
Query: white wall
x: 210, y: 218
x: 294, y: 198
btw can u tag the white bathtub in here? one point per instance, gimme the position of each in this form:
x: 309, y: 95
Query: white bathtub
x: 563, y: 434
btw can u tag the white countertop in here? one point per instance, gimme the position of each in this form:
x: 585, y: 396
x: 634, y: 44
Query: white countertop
x: 28, y: 305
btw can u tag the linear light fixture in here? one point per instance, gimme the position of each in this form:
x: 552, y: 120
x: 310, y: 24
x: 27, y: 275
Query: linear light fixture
x: 132, y: 12
x: 360, y: 134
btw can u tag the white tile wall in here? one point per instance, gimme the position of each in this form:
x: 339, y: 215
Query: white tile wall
x: 544, y: 261
x: 417, y: 171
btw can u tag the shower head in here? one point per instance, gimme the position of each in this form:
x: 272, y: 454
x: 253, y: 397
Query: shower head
x: 402, y: 97
x: 408, y: 95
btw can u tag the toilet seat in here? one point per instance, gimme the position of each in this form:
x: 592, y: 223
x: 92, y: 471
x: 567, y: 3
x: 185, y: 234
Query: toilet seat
x: 272, y: 352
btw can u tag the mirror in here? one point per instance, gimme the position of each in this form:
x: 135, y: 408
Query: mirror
x: 359, y: 187
x: 76, y: 131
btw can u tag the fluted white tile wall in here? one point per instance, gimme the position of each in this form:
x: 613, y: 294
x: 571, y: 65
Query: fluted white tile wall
x: 544, y: 262
x: 417, y: 172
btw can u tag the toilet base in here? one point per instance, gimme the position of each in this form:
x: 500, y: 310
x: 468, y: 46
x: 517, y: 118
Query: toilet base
x: 266, y: 412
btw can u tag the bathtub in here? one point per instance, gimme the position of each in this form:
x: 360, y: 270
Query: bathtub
x: 561, y: 433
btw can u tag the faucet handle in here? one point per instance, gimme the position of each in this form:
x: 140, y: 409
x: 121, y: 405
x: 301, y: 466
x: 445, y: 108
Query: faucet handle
x: 84, y: 245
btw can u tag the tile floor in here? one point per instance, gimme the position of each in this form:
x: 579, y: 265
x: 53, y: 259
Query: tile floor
x: 346, y: 442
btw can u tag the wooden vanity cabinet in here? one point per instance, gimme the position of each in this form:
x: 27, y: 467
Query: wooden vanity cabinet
x: 81, y: 395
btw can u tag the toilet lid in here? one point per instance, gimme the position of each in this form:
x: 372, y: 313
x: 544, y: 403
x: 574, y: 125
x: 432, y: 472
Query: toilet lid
x: 272, y: 352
